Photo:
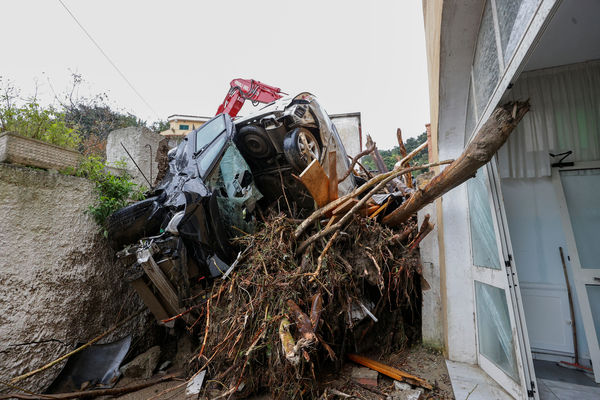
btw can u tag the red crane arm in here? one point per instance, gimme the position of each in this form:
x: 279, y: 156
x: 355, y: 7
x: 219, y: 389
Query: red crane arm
x: 243, y: 89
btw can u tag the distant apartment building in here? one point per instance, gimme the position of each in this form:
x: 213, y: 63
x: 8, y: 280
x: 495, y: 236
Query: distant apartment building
x: 181, y: 125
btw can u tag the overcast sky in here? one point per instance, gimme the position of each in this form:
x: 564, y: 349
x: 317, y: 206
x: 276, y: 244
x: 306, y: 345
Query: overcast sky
x: 366, y: 56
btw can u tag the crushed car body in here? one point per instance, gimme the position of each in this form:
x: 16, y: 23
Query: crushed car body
x: 218, y: 177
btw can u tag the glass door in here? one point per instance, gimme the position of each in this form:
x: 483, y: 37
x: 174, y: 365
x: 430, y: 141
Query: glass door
x: 579, y: 198
x: 502, y: 342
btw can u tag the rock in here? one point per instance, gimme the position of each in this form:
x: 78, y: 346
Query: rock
x: 407, y: 394
x: 365, y: 376
x: 143, y: 365
x: 194, y: 385
x: 184, y: 352
x: 401, y: 386
x: 165, y: 365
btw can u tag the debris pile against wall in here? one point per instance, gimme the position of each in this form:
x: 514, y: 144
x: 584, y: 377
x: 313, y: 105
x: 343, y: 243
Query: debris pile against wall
x: 60, y: 283
x: 302, y: 295
x: 277, y: 323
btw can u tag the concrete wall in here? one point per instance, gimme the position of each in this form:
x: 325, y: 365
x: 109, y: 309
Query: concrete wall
x: 432, y: 323
x: 141, y: 144
x: 59, y: 281
x: 449, y: 54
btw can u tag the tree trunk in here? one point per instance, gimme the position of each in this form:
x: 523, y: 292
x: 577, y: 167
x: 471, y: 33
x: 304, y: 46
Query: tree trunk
x: 492, y: 135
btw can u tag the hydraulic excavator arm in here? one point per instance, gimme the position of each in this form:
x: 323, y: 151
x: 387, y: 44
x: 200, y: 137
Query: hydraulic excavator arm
x: 247, y: 89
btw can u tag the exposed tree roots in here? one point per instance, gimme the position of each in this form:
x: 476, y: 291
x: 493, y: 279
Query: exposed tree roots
x: 365, y: 266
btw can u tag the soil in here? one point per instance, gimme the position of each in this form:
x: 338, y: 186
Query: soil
x: 426, y: 363
x: 421, y: 361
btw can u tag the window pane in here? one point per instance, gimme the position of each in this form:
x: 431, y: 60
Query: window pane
x: 471, y: 115
x: 235, y: 201
x: 209, y: 131
x: 513, y: 18
x: 593, y: 292
x: 493, y: 328
x: 184, y: 127
x: 483, y: 236
x: 485, y: 64
x: 582, y: 193
x: 208, y: 157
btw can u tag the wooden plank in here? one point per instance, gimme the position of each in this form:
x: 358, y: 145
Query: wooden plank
x: 160, y: 281
x: 317, y: 183
x: 372, y: 208
x: 367, y: 209
x: 332, y: 220
x: 392, y: 372
x: 150, y: 301
x: 380, y: 209
x: 408, y: 176
x: 345, y: 206
x: 333, y: 178
x: 167, y: 266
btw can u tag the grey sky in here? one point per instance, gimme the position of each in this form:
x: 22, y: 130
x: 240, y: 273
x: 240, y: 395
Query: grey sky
x: 181, y: 55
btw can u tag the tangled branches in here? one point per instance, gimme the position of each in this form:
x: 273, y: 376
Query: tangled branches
x: 273, y: 324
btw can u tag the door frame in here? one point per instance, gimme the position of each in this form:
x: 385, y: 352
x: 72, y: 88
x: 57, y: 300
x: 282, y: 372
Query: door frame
x: 506, y: 279
x: 581, y: 276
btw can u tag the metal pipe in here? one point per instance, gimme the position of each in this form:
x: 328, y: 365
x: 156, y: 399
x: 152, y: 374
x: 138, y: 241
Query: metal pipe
x: 137, y: 166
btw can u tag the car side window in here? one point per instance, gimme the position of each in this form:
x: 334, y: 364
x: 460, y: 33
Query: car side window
x: 209, y: 131
x: 210, y: 154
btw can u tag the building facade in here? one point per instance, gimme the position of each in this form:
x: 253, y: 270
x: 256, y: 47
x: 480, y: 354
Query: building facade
x: 181, y: 125
x: 518, y: 243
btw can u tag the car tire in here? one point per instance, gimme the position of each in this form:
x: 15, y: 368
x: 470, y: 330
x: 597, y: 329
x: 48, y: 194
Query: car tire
x: 131, y: 223
x: 254, y: 141
x: 300, y: 147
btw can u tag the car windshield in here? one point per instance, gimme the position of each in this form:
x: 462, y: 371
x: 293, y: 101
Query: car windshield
x: 209, y: 131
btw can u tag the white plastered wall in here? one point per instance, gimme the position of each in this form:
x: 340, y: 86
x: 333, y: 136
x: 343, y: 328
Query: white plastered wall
x: 460, y: 21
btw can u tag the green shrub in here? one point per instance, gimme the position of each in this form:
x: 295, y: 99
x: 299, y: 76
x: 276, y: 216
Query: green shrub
x: 113, y: 191
x: 37, y: 122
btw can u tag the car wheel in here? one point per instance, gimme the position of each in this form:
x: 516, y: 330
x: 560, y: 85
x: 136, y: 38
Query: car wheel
x: 254, y: 141
x: 300, y: 147
x: 131, y: 223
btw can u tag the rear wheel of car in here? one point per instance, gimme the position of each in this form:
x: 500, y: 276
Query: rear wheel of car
x: 300, y: 147
x: 131, y: 223
x: 254, y: 141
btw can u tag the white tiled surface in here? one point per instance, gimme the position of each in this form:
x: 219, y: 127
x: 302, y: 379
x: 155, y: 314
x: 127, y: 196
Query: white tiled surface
x: 470, y: 381
x: 554, y: 390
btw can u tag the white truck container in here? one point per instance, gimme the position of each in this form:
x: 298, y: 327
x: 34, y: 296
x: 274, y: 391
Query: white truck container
x: 349, y: 128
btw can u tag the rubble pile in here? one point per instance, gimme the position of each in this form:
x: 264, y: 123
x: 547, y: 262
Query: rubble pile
x: 304, y: 293
x: 273, y: 324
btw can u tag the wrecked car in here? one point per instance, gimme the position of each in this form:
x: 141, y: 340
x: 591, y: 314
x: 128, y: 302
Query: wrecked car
x: 221, y: 173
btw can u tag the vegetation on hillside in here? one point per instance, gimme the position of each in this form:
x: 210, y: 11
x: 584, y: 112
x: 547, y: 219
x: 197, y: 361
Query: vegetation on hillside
x: 82, y: 124
x: 75, y: 121
x: 30, y: 119
x: 113, y: 190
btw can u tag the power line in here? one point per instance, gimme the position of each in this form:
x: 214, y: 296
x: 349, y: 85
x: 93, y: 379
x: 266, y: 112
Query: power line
x: 108, y: 59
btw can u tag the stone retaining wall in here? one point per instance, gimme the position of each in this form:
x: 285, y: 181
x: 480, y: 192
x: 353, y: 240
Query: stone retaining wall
x: 60, y: 283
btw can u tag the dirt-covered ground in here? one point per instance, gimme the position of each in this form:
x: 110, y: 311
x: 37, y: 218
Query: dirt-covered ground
x: 421, y: 361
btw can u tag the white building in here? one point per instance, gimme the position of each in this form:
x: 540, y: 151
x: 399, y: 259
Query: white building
x: 499, y: 299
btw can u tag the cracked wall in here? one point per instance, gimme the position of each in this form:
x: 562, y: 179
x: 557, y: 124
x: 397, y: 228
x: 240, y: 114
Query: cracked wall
x: 60, y: 283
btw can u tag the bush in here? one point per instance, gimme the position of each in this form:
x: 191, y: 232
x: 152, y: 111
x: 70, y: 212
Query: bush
x: 113, y: 191
x: 34, y: 121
